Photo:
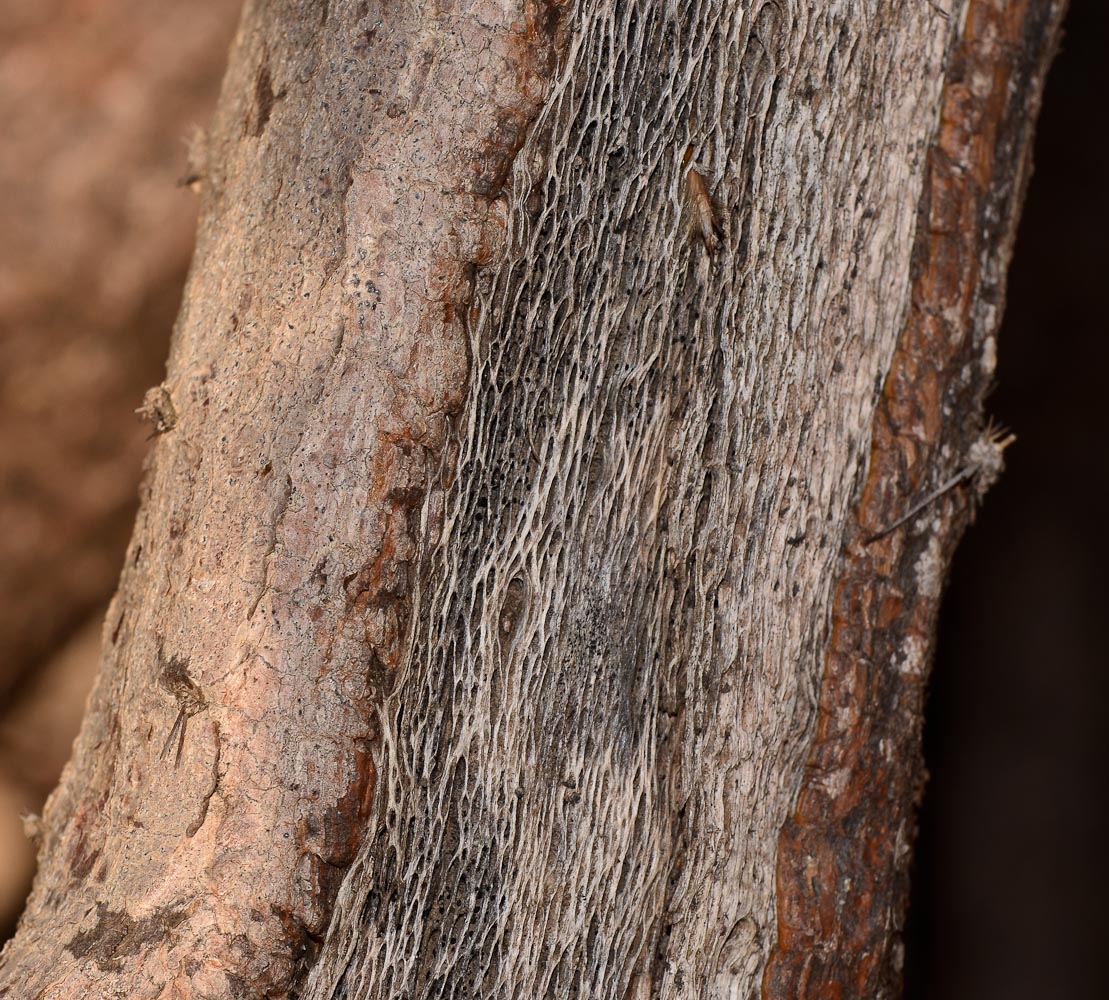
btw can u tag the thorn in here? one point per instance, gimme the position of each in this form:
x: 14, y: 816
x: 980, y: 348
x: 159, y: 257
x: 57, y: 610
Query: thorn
x: 985, y: 465
x: 178, y: 730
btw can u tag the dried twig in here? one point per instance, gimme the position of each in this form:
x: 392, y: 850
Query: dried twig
x: 984, y: 466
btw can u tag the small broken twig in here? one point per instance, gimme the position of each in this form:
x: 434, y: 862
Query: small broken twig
x: 158, y: 409
x: 984, y: 466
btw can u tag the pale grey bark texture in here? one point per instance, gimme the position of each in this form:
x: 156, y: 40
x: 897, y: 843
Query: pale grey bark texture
x: 617, y: 645
x: 486, y: 561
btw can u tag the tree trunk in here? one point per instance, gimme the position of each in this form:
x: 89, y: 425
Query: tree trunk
x: 511, y: 610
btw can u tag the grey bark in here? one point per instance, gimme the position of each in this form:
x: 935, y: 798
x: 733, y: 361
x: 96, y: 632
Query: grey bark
x: 470, y: 638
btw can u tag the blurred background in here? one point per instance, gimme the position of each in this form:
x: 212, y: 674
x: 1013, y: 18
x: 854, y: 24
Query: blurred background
x: 98, y: 99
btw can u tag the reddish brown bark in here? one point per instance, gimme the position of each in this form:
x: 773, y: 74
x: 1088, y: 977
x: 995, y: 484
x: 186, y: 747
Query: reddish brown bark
x: 843, y: 864
x: 520, y: 712
x: 222, y: 780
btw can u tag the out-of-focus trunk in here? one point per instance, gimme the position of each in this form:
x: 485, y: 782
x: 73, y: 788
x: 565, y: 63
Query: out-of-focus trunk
x: 96, y: 102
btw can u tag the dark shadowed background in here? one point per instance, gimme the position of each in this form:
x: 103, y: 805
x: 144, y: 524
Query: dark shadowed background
x: 96, y: 102
x: 1009, y: 886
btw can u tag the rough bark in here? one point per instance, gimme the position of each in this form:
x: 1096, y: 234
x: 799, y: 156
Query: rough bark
x: 36, y: 736
x: 843, y: 854
x: 501, y: 554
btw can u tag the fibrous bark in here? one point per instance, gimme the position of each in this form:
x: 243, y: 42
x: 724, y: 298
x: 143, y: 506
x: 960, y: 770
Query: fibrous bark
x: 488, y: 556
x: 843, y: 854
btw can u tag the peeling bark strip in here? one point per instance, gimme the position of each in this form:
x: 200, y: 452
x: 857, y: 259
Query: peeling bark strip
x: 589, y: 755
x: 843, y: 860
x: 352, y: 177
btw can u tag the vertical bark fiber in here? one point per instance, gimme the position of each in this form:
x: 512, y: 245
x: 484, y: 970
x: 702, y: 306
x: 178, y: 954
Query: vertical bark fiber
x: 221, y: 782
x: 496, y: 529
